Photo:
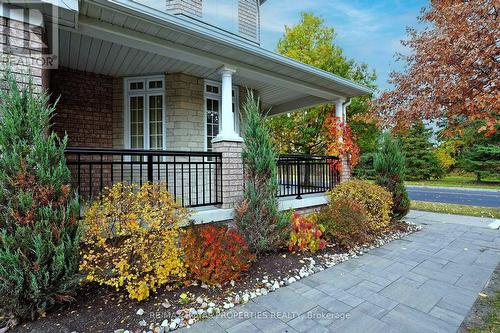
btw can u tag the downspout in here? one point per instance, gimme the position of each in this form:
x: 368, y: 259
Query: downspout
x: 344, y: 110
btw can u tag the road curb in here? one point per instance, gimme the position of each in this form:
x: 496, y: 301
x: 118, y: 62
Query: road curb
x: 494, y: 225
x: 454, y: 188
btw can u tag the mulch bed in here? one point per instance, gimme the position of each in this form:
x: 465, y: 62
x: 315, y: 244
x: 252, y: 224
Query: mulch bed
x: 102, y: 309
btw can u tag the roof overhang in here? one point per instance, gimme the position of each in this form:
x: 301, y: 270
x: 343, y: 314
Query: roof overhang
x: 283, y: 84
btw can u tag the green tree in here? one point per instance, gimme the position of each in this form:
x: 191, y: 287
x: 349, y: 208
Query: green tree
x: 421, y: 160
x: 482, y: 157
x: 39, y: 228
x: 389, y: 165
x: 364, y: 169
x: 256, y: 215
x: 312, y: 42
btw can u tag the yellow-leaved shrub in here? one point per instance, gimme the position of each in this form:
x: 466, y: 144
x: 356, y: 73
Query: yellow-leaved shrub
x: 132, y: 239
x: 375, y: 200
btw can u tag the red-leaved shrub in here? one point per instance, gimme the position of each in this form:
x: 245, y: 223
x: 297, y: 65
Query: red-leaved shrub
x: 215, y: 254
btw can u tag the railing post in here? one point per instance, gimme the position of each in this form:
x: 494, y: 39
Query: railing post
x: 299, y: 173
x: 150, y: 168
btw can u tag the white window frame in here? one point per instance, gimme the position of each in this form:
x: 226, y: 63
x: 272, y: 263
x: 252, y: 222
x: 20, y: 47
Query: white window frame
x: 146, y: 92
x: 218, y: 97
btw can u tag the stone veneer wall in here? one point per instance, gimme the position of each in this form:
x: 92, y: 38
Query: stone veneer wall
x: 16, y: 36
x: 118, y: 108
x: 345, y: 174
x: 85, y: 108
x: 232, y: 171
x: 185, y: 112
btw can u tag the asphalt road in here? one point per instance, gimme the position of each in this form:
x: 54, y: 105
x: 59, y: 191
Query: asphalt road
x: 455, y: 196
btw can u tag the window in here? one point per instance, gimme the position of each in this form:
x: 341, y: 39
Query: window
x: 144, y: 126
x: 212, y: 110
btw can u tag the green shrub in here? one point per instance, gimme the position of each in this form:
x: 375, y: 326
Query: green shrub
x: 39, y: 228
x: 256, y: 215
x: 389, y: 166
x: 376, y: 200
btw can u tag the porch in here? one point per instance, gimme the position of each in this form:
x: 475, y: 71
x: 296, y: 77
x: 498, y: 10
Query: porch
x: 144, y: 95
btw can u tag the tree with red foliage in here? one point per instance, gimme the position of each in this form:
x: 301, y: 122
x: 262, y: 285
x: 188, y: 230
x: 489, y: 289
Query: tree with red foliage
x: 340, y: 141
x: 453, y: 72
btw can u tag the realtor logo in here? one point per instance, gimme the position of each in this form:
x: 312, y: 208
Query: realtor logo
x: 26, y: 26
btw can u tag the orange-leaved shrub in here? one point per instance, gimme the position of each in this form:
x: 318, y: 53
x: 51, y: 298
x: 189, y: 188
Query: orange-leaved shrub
x: 376, y: 201
x: 345, y: 222
x: 132, y: 239
x: 305, y: 234
x: 215, y: 254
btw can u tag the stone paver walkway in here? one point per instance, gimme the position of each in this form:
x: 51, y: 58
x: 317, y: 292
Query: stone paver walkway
x: 426, y: 282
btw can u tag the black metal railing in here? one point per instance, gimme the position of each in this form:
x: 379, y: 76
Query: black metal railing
x: 192, y: 177
x: 306, y: 174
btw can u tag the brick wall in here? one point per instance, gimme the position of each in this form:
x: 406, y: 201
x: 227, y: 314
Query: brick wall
x: 85, y: 108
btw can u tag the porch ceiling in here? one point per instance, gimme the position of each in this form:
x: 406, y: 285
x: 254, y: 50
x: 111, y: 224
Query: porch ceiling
x: 124, y: 38
x: 95, y: 55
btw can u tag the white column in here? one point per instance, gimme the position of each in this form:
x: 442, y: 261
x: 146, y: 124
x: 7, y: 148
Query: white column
x: 339, y: 113
x: 227, y: 131
x: 339, y: 110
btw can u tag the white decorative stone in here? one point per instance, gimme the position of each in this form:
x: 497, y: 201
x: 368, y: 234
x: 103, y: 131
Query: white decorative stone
x: 140, y: 312
x: 164, y: 323
x: 143, y: 323
x: 276, y: 285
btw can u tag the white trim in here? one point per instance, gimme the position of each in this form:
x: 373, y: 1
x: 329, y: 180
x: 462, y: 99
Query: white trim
x: 235, y: 99
x: 146, y: 92
x: 202, y: 215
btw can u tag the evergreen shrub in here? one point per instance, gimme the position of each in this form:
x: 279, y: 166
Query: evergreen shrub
x: 39, y: 226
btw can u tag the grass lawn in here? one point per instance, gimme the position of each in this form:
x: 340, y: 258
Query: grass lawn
x: 492, y: 321
x: 484, y: 316
x: 456, y: 209
x: 460, y: 180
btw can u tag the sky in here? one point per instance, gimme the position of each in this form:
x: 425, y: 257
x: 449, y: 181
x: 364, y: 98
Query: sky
x: 369, y: 31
